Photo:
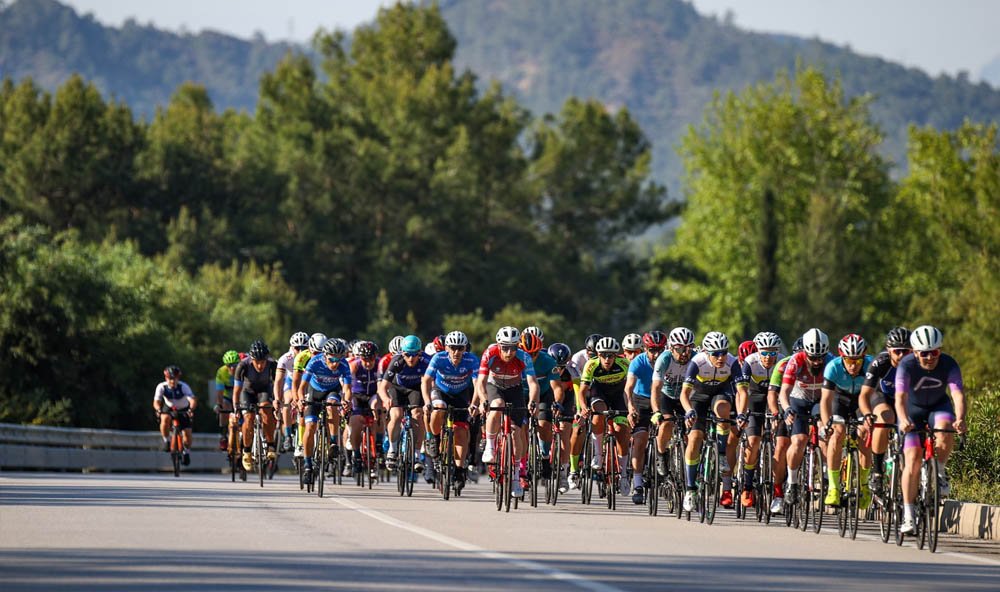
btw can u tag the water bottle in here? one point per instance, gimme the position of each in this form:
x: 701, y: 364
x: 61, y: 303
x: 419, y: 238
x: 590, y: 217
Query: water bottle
x: 889, y: 464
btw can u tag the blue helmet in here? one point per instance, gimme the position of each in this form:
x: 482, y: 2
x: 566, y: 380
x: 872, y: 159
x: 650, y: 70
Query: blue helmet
x: 561, y: 352
x: 411, y: 345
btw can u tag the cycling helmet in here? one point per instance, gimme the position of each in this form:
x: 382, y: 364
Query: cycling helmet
x: 654, y: 339
x: 681, y: 337
x: 530, y: 343
x: 438, y: 343
x: 561, y: 353
x: 300, y: 339
x: 767, y: 340
x: 366, y: 349
x: 231, y: 357
x: 355, y: 346
x: 632, y: 342
x: 745, y: 349
x: 897, y: 337
x: 815, y: 342
x: 396, y: 345
x: 926, y: 338
x: 591, y: 344
x: 258, y: 350
x: 535, y: 331
x: 335, y: 347
x: 410, y: 345
x: 852, y: 346
x: 714, y: 341
x: 508, y: 336
x: 608, y: 345
x: 797, y: 346
x: 316, y: 341
x: 172, y: 371
x: 456, y: 339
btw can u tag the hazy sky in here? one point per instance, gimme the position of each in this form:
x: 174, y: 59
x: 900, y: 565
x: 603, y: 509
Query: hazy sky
x: 936, y: 35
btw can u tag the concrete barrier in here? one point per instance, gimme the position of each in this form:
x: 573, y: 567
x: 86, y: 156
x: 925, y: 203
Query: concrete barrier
x: 967, y: 519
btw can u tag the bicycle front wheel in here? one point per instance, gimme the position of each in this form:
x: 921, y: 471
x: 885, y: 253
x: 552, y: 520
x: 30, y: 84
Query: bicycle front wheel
x: 933, y: 506
x: 818, y: 493
x: 711, y: 483
x: 509, y: 473
x: 853, y: 482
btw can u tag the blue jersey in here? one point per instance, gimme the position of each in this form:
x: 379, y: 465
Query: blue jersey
x: 836, y: 377
x: 449, y: 378
x: 643, y: 372
x: 544, y: 373
x: 321, y: 378
x: 400, y: 373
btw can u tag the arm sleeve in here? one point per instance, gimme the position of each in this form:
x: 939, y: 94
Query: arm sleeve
x: 955, y: 377
x: 788, y: 376
x: 484, y: 363
x: 691, y: 374
x: 740, y: 376
x: 902, y: 379
x: 529, y: 365
x: 158, y: 393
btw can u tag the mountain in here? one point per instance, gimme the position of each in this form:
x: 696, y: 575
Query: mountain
x: 991, y: 72
x: 660, y: 58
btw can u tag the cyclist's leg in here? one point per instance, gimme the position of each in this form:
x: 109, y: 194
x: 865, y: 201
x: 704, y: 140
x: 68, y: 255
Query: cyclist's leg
x: 884, y: 413
x: 835, y: 446
x: 696, y: 436
x: 640, y: 436
x: 597, y: 424
x: 357, y: 423
x: 800, y: 433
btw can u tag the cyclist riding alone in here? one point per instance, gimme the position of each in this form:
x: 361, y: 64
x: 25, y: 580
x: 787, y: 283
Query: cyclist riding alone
x: 224, y: 393
x: 253, y: 390
x: 174, y: 395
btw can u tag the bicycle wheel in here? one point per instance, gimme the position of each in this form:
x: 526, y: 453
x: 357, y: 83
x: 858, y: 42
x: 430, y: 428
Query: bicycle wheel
x: 555, y: 471
x: 932, y: 505
x: 712, y: 483
x: 499, y: 473
x: 608, y: 468
x: 737, y: 480
x: 509, y: 474
x: 586, y: 470
x: 533, y: 470
x: 258, y: 446
x: 410, y: 476
x: 885, y: 511
x: 447, y: 466
x: 677, y: 472
x: 765, y: 483
x: 921, y: 505
x: 651, y: 478
x: 323, y: 448
x: 854, y: 494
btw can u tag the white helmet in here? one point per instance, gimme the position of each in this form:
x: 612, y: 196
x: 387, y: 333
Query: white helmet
x: 316, y: 341
x: 508, y: 336
x: 815, y: 343
x: 456, y: 339
x: 537, y: 332
x: 681, y: 336
x: 608, y: 345
x: 632, y: 342
x: 853, y: 346
x: 300, y: 339
x: 715, y: 341
x: 926, y: 338
x: 396, y: 344
x: 767, y: 340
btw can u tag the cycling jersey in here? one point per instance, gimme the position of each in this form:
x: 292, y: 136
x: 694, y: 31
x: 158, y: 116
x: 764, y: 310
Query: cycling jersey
x: 174, y: 398
x: 927, y: 388
x: 322, y: 378
x: 363, y: 381
x: 806, y: 382
x: 758, y: 377
x: 449, y: 378
x: 881, y: 374
x: 251, y: 380
x: 224, y: 382
x: 579, y: 360
x: 503, y: 374
x: 642, y: 369
x: 399, y: 373
x: 709, y: 380
x: 671, y: 373
x: 545, y: 372
x: 287, y: 363
x: 301, y: 360
x: 383, y: 363
x: 778, y: 374
x: 836, y: 377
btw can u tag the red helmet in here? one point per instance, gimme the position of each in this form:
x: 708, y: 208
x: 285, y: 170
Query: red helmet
x: 531, y: 343
x: 655, y: 339
x: 746, y: 348
x: 439, y: 343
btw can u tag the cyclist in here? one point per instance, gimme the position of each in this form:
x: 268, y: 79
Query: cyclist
x: 224, y: 394
x: 924, y: 379
x: 631, y: 346
x: 564, y: 392
x: 363, y: 398
x: 745, y: 349
x: 708, y: 385
x: 447, y: 382
x: 325, y: 381
x: 668, y: 376
x: 586, y: 354
x: 252, y: 389
x: 502, y: 370
x: 399, y: 387
x: 801, y: 383
x: 779, y: 428
x: 283, y: 384
x: 313, y: 347
x: 842, y: 381
x: 638, y: 391
x: 602, y: 386
x: 877, y: 399
x: 757, y: 367
x: 394, y: 345
x: 173, y: 393
x: 546, y: 376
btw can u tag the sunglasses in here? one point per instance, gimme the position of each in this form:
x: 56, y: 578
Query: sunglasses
x: 299, y: 348
x: 818, y: 358
x: 409, y: 355
x: 456, y: 348
x: 768, y: 354
x: 929, y: 354
x: 718, y: 353
x: 607, y: 356
x: 900, y: 351
x: 231, y: 366
x: 852, y: 359
x: 508, y: 348
x: 680, y: 348
x: 332, y: 359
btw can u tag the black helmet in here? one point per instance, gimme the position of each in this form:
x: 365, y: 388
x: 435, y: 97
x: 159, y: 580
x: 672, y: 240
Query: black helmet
x: 561, y: 353
x: 172, y: 371
x: 335, y: 347
x: 898, y: 337
x: 367, y: 349
x: 797, y: 346
x: 258, y: 350
x: 591, y: 344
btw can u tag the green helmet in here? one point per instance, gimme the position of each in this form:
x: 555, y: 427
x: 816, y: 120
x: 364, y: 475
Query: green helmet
x: 231, y: 357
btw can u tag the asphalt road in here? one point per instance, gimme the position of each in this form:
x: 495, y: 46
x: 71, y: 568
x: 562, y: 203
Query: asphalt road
x: 145, y: 532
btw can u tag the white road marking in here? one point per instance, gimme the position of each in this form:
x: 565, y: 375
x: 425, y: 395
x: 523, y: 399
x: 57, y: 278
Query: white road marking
x: 556, y: 574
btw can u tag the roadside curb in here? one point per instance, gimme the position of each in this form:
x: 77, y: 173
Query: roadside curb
x: 966, y: 519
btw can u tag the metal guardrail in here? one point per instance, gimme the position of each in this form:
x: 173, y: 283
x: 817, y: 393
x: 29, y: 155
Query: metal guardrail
x: 77, y: 449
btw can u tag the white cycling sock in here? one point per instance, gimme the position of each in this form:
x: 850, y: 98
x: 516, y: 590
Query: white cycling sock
x: 636, y: 481
x: 908, y: 511
x: 491, y: 441
x: 392, y: 445
x: 793, y: 476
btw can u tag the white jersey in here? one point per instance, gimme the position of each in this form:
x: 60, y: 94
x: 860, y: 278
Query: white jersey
x: 178, y: 397
x: 671, y: 372
x: 579, y: 360
x: 287, y: 361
